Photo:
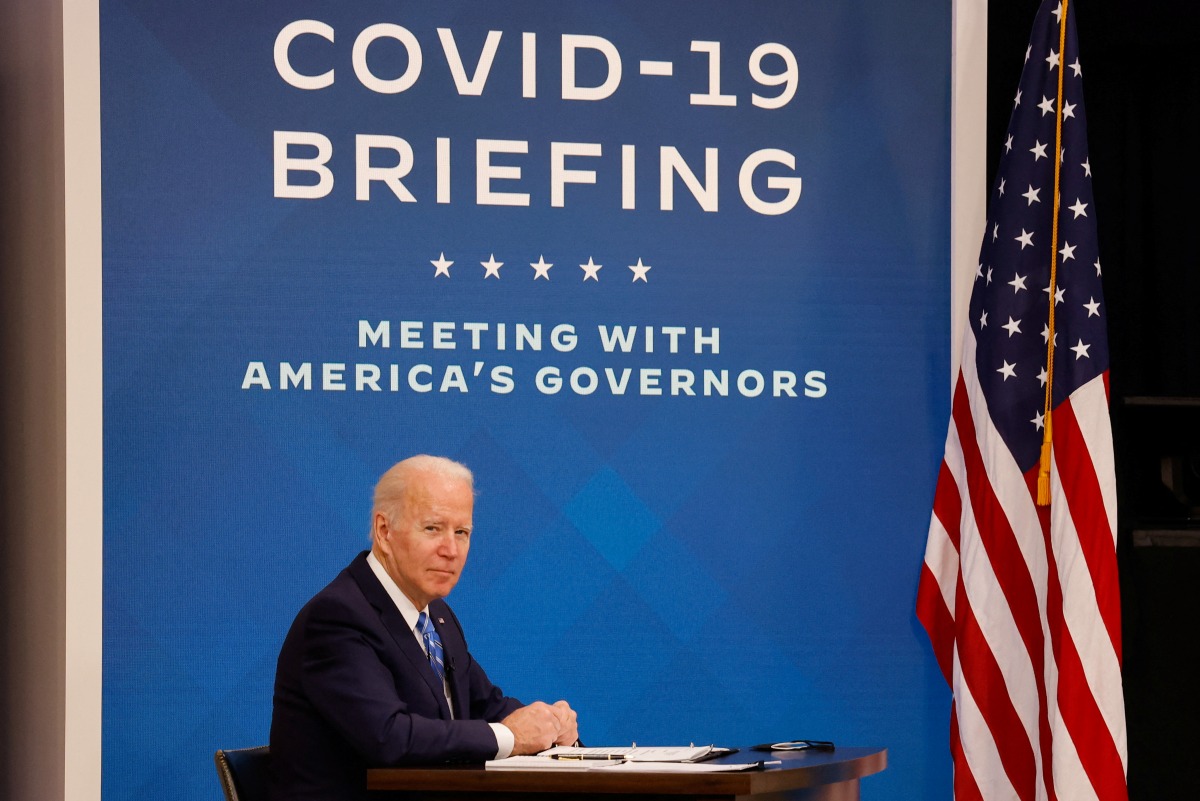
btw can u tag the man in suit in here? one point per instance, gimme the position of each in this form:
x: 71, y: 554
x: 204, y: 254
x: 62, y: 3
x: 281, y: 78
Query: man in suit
x: 375, y: 669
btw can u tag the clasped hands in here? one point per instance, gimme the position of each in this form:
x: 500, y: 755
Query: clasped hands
x: 540, y: 725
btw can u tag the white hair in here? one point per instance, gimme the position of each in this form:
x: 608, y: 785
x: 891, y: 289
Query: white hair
x: 393, y: 485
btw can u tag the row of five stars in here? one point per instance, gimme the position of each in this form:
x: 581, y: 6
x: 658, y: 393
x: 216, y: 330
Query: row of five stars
x: 541, y: 268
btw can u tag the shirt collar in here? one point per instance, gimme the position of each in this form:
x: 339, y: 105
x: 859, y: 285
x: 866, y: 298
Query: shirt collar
x: 406, y: 607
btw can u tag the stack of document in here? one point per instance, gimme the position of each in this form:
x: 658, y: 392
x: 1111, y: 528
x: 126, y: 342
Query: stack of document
x: 657, y: 759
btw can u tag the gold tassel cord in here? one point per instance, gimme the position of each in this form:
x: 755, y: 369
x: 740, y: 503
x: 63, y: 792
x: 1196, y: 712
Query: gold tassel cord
x: 1043, y: 483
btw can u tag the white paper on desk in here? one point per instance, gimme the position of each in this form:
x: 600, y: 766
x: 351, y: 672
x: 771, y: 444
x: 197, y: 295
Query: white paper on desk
x: 681, y: 767
x: 542, y: 763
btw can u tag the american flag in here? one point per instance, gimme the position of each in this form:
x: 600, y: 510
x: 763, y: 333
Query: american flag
x: 1021, y: 601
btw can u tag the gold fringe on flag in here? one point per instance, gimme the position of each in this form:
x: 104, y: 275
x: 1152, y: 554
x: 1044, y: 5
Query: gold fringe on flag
x: 1043, y: 483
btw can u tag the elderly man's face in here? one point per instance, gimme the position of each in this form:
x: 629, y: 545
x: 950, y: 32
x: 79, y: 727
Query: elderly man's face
x: 425, y: 547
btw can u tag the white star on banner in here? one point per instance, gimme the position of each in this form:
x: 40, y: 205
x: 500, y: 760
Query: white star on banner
x: 591, y: 270
x: 540, y: 268
x: 441, y: 266
x: 491, y: 267
x: 639, y: 271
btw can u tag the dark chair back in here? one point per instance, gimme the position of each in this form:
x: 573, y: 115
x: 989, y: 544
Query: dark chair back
x: 244, y: 772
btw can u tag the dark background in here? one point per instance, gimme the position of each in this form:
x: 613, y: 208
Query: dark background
x: 1140, y: 68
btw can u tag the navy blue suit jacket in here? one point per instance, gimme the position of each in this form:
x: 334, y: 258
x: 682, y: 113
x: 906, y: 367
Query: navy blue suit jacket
x: 353, y: 689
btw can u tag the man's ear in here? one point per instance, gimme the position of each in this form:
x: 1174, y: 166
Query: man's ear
x: 379, y: 528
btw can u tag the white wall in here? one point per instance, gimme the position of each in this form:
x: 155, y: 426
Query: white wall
x: 50, y: 401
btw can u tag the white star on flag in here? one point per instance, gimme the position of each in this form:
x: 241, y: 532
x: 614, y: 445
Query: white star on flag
x: 541, y: 269
x: 591, y: 270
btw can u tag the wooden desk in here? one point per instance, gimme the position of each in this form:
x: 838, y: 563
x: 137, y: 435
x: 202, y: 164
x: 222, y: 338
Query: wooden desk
x: 803, y: 776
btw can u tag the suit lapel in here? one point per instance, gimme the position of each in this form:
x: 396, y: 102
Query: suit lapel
x: 396, y: 626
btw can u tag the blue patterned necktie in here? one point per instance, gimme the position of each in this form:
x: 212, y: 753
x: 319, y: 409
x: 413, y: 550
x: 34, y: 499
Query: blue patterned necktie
x: 433, y: 645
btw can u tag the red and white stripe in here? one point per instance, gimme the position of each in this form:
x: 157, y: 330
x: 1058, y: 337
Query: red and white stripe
x: 1022, y: 605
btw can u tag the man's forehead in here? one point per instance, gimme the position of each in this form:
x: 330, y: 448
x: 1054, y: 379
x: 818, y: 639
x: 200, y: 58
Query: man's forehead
x: 440, y: 493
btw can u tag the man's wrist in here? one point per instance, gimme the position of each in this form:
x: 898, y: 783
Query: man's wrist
x: 505, y: 740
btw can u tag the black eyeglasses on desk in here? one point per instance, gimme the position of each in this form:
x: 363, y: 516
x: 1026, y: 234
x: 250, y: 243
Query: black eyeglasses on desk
x: 796, y: 745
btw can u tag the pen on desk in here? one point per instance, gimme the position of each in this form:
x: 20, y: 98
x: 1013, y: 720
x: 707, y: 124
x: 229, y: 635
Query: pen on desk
x: 587, y: 756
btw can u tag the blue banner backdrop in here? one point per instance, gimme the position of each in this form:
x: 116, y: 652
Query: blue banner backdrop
x: 671, y: 277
